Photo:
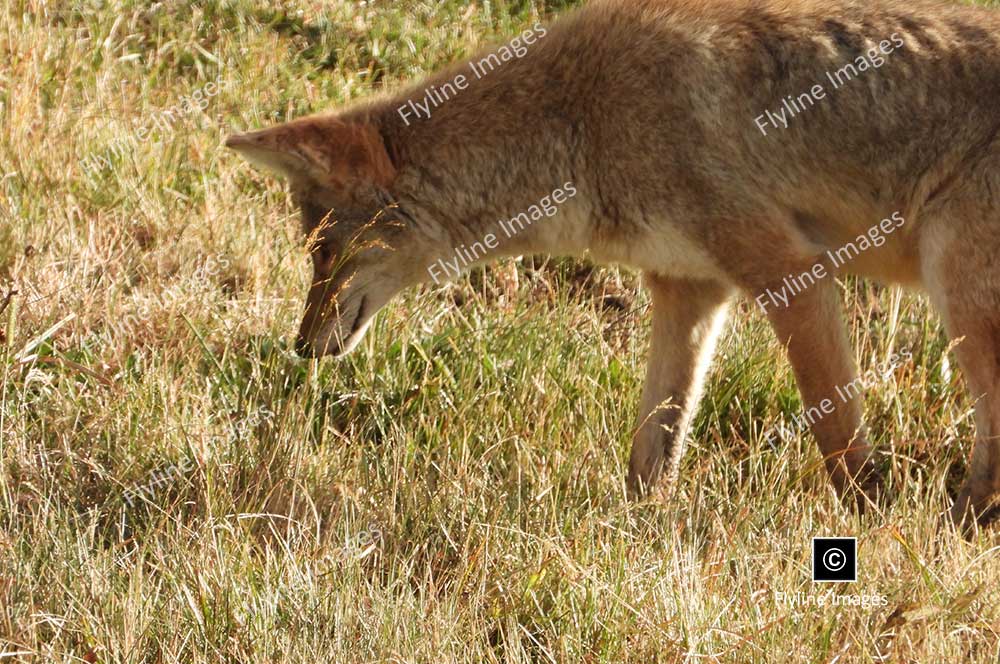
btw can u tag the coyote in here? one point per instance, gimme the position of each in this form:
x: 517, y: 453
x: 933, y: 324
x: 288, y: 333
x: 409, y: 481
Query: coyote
x: 720, y: 147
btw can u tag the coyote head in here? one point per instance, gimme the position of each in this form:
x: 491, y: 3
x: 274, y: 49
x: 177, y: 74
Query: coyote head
x: 364, y: 247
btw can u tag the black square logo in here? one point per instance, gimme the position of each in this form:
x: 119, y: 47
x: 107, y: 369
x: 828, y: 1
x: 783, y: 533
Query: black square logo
x: 835, y: 559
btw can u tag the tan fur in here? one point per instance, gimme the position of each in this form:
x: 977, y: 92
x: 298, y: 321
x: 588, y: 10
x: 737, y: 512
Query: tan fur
x: 649, y: 107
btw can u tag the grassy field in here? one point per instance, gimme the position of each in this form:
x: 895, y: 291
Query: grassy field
x: 176, y: 486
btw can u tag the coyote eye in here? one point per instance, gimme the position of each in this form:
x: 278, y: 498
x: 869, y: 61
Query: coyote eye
x: 322, y: 254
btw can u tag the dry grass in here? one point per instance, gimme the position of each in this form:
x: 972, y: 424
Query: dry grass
x: 175, y: 486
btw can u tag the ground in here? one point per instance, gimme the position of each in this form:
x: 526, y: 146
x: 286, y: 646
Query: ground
x: 177, y: 486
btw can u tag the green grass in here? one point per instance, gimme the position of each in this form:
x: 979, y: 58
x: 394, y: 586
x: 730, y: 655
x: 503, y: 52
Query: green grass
x: 452, y: 491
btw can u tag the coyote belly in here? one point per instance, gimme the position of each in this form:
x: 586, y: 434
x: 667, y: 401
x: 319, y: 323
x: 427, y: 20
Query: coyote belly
x: 723, y: 148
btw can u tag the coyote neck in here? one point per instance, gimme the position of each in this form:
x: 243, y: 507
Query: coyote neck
x: 488, y: 159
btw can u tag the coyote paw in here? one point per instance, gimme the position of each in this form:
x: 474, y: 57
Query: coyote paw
x: 867, y: 491
x: 971, y: 510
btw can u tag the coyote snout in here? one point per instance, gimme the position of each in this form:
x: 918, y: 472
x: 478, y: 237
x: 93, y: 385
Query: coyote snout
x: 347, y: 290
x: 335, y: 318
x: 357, y: 269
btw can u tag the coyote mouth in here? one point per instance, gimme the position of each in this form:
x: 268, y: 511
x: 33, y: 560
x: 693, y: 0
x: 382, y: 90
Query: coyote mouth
x: 345, y: 342
x: 357, y: 319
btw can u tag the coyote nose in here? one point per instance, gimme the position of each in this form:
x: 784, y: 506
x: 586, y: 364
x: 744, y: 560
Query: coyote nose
x: 303, y: 347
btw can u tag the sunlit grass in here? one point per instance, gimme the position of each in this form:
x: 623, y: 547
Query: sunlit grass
x: 452, y: 491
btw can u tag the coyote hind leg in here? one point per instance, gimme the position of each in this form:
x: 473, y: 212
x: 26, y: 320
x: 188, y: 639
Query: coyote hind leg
x: 958, y: 253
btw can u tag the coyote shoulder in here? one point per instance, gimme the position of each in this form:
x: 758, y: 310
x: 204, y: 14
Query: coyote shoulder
x: 724, y: 148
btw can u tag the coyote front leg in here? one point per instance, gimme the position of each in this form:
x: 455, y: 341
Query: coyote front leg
x: 687, y: 318
x: 813, y: 331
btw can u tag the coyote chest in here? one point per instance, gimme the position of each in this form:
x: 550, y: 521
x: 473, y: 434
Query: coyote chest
x: 661, y: 249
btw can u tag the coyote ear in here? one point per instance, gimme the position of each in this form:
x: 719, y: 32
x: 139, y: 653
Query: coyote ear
x: 322, y: 150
